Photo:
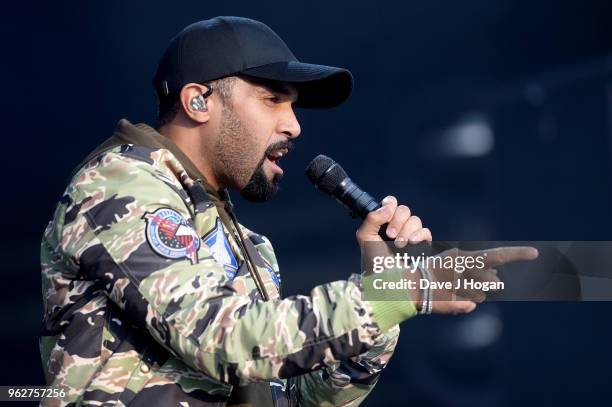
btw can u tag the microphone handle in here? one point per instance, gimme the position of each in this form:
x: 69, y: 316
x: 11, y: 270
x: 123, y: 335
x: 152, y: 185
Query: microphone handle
x: 359, y: 202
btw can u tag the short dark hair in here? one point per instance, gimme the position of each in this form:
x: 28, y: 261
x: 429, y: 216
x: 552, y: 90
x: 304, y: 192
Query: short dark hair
x: 222, y: 87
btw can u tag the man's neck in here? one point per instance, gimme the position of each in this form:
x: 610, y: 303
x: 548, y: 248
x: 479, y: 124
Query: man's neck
x: 189, y: 141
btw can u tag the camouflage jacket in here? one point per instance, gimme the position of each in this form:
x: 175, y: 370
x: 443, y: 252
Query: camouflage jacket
x: 154, y: 294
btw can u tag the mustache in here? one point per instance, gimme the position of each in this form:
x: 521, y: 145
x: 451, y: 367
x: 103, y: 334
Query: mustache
x: 289, y: 145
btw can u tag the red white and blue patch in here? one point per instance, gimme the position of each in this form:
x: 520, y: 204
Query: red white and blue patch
x: 172, y: 236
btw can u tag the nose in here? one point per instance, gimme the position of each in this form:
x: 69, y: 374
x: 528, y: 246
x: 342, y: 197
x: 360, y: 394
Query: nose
x: 289, y: 124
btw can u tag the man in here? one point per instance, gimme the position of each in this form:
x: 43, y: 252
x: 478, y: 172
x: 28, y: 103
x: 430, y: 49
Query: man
x: 155, y: 294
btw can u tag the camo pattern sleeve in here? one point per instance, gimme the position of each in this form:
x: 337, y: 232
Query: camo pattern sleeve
x: 348, y: 382
x: 129, y: 233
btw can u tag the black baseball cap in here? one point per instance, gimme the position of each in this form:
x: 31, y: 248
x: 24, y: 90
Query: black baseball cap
x: 224, y: 46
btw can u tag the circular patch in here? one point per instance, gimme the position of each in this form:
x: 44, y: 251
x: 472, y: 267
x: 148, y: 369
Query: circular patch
x: 172, y: 236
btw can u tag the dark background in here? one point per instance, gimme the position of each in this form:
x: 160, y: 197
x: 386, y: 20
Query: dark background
x: 491, y: 119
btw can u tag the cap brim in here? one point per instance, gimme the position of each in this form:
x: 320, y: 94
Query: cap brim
x: 318, y: 86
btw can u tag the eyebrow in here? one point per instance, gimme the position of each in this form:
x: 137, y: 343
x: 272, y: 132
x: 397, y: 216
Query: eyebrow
x: 276, y: 87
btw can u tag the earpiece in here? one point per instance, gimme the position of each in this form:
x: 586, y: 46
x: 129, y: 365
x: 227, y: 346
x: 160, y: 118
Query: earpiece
x: 199, y: 103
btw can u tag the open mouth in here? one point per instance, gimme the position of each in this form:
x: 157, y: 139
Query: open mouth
x: 274, y: 156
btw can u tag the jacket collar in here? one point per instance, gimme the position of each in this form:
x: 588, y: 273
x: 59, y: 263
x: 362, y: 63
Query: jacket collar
x: 144, y: 135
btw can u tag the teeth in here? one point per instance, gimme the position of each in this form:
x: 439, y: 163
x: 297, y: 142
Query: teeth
x: 278, y: 154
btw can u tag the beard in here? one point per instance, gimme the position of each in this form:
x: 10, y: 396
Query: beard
x: 259, y: 188
x: 234, y: 149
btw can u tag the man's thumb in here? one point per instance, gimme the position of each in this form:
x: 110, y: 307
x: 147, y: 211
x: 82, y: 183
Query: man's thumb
x: 375, y: 219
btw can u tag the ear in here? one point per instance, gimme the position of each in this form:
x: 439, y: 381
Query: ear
x: 190, y: 92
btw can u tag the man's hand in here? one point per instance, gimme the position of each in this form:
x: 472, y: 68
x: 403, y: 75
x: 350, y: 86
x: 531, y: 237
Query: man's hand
x: 403, y: 227
x: 460, y: 301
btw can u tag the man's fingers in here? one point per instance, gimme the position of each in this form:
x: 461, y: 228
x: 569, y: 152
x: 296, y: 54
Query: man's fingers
x: 490, y: 275
x: 421, y: 235
x: 412, y: 226
x: 502, y: 255
x: 463, y: 305
x: 454, y: 307
x: 410, y: 232
x: 482, y: 275
x: 477, y: 296
x: 401, y: 215
x: 375, y: 219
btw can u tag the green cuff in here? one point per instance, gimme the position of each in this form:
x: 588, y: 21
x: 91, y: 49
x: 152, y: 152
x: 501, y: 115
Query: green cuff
x: 387, y: 309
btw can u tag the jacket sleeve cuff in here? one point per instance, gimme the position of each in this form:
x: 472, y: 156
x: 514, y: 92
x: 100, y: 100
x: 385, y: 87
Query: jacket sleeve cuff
x: 387, y: 309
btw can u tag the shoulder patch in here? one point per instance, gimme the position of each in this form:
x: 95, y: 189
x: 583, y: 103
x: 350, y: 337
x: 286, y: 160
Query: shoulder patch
x: 218, y: 244
x: 171, y: 236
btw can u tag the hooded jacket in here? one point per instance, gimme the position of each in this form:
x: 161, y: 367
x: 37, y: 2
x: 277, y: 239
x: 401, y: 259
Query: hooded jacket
x: 154, y: 294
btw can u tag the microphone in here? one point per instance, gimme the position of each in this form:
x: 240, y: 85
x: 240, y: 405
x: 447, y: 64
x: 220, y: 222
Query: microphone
x: 329, y: 177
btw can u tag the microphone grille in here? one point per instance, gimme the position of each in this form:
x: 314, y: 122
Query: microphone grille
x: 325, y: 173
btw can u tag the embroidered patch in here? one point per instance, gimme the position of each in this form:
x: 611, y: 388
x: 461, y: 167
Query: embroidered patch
x: 172, y: 236
x: 222, y: 252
